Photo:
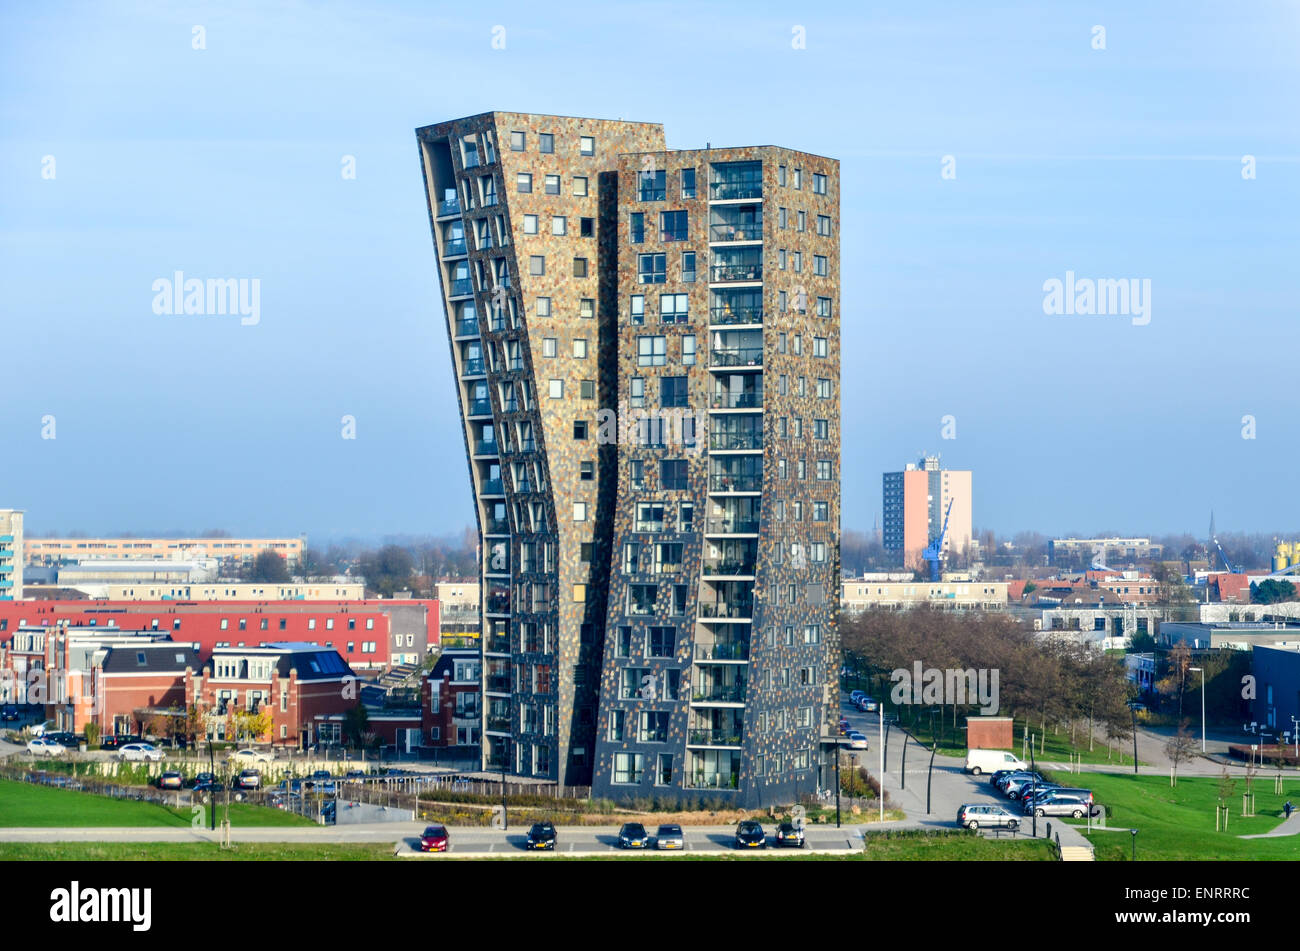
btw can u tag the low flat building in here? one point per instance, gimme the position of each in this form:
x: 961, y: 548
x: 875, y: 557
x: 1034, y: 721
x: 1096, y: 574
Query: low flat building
x: 1067, y: 551
x: 1235, y: 635
x: 146, y: 590
x: 52, y: 551
x: 1111, y: 625
x: 859, y: 596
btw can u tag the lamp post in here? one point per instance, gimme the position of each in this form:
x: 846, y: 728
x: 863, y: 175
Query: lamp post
x: 1202, y: 673
x: 929, y: 779
x: 1132, y: 709
x: 837, y: 785
x: 1134, y: 834
x: 903, y: 769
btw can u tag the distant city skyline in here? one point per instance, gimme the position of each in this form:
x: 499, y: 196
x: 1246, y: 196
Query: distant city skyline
x: 988, y: 153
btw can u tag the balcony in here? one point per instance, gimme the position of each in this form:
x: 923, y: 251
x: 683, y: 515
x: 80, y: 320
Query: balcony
x: 752, y: 399
x: 496, y: 526
x: 752, y: 231
x: 731, y: 526
x: 736, y: 357
x: 467, y: 327
x: 461, y: 287
x: 714, y: 738
x: 740, y: 482
x: 714, y: 781
x: 737, y: 441
x: 473, y: 367
x: 499, y: 644
x: 498, y: 683
x: 449, y: 207
x: 720, y: 693
x: 728, y: 566
x: 499, y: 724
x: 734, y: 650
x: 454, y: 248
x: 735, y: 188
x: 481, y: 407
x: 723, y: 273
x: 735, y: 315
x: 485, y: 447
x: 493, y: 487
x: 727, y: 610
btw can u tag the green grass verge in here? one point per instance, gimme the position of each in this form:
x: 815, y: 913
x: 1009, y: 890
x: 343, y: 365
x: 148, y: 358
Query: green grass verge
x: 24, y: 805
x: 953, y: 846
x: 1177, y: 824
x: 192, y: 852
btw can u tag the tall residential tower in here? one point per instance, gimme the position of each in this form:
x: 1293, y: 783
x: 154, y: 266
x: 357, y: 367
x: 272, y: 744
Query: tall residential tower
x: 646, y: 345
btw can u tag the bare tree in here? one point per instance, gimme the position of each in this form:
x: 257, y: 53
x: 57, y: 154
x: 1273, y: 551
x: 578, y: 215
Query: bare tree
x: 1180, y: 748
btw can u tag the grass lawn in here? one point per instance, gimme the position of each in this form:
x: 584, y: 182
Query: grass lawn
x: 28, y: 805
x: 1177, y: 824
x: 192, y: 852
x: 955, y: 847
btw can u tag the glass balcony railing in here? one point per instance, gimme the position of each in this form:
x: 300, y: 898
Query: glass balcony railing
x: 449, y: 207
x: 736, y: 650
x: 496, y: 526
x: 715, y: 738
x: 731, y: 526
x: 467, y: 327
x: 736, y: 315
x: 461, y: 287
x: 752, y: 399
x: 728, y: 566
x: 497, y: 645
x: 724, y: 482
x: 494, y: 487
x: 735, y: 272
x: 728, y: 610
x: 454, y: 247
x: 499, y: 683
x: 737, y: 232
x: 736, y: 357
x: 724, y: 693
x: 715, y: 781
x: 485, y: 447
x: 473, y: 367
x: 724, y: 441
x: 731, y: 190
x: 480, y: 407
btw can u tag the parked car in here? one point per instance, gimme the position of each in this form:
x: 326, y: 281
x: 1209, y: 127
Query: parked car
x: 203, y: 791
x: 201, y: 778
x: 250, y: 756
x: 857, y: 741
x: 787, y: 833
x: 118, y: 740
x: 139, y: 752
x: 66, y: 739
x: 867, y: 705
x: 248, y: 779
x: 435, y: 839
x: 8, y: 713
x: 40, y: 728
x: 1014, y: 785
x: 1084, y: 794
x: 1061, y: 805
x: 986, y: 761
x: 856, y: 695
x: 750, y: 835
x: 1031, y: 790
x: 171, y: 780
x: 541, y: 836
x: 322, y: 774
x: 633, y: 836
x: 1014, y: 775
x: 40, y: 746
x: 670, y: 837
x: 844, y: 727
x: 975, y: 815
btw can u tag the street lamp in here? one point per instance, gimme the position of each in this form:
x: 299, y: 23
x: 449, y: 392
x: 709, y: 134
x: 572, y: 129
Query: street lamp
x: 1134, y: 833
x: 1132, y: 709
x: 1202, y: 672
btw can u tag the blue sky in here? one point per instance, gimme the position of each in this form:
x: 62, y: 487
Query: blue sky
x: 225, y: 162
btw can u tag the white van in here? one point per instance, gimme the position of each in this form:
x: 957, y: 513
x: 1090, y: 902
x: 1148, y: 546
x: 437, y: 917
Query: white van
x: 990, y: 761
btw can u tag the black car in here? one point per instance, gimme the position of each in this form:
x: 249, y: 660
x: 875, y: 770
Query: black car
x: 750, y: 835
x: 202, y: 791
x: 787, y: 833
x: 201, y: 779
x: 541, y: 836
x: 116, y: 741
x: 8, y: 713
x: 65, y: 739
x: 633, y: 836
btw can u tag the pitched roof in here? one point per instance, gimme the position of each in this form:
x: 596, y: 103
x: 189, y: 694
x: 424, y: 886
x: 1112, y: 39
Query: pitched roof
x: 150, y: 658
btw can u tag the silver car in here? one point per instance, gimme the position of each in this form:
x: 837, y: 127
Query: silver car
x: 1061, y: 805
x: 977, y: 815
x: 670, y: 837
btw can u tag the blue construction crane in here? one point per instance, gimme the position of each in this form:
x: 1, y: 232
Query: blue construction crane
x: 934, y: 551
x: 1226, y: 563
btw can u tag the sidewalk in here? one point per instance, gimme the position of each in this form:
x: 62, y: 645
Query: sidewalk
x: 1287, y: 827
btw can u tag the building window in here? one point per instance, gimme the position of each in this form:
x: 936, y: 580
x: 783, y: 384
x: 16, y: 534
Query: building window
x: 636, y: 392
x: 628, y: 768
x: 652, y: 268
x: 530, y: 224
x: 517, y: 141
x: 636, y: 310
x: 636, y: 227
x: 579, y: 429
x: 552, y: 184
x: 579, y: 511
x: 819, y: 184
x: 688, y: 183
x: 548, y: 346
x: 672, y: 392
x: 821, y: 511
x: 587, y: 307
x: 587, y: 145
x: 555, y: 389
x: 579, y: 267
x: 651, y: 351
x: 546, y: 143
x: 824, y: 225
x: 524, y: 183
x: 543, y: 307
x: 580, y: 186
x: 537, y: 264
x: 559, y: 225
x: 617, y: 725
x: 652, y: 185
x: 579, y: 593
x: 673, y: 309
x: 688, y: 267
x: 673, y: 226
x: 586, y: 227
x: 580, y: 348
x: 688, y: 350
x: 653, y: 726
x: 672, y: 475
